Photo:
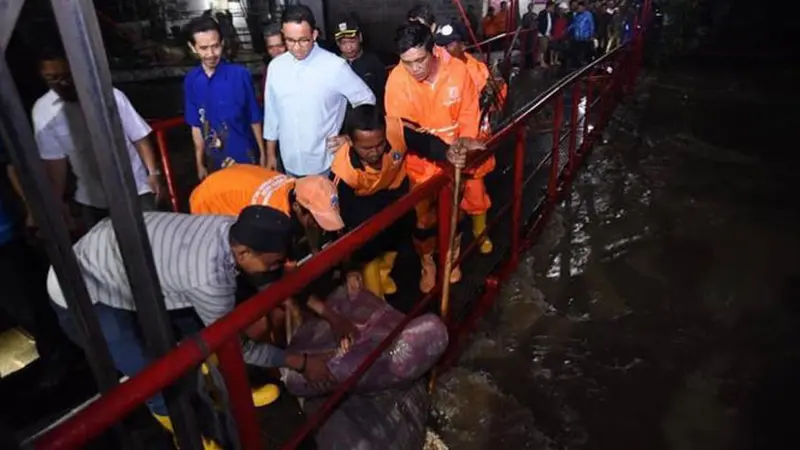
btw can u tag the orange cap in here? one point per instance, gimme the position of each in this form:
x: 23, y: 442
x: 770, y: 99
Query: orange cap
x: 318, y: 195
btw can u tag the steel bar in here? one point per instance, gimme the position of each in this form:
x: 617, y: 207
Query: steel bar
x: 161, y: 143
x: 516, y: 195
x: 46, y: 209
x: 575, y: 97
x: 552, y: 186
x: 80, y: 32
x: 9, y: 14
x: 231, y: 364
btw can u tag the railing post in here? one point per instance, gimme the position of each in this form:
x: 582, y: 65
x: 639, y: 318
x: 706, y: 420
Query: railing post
x: 573, y: 125
x: 517, y: 197
x: 163, y: 150
x: 17, y: 137
x: 231, y: 364
x: 80, y: 33
x: 444, y: 213
x: 552, y: 186
x: 587, y: 113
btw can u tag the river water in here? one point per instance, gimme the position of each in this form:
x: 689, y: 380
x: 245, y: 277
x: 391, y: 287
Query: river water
x: 659, y: 308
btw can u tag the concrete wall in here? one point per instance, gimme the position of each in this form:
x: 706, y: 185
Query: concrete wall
x: 381, y: 18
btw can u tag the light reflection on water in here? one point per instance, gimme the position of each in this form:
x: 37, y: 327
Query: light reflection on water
x: 622, y: 323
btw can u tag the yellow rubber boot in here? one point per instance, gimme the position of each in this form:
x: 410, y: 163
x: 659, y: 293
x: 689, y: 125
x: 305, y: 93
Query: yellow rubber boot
x: 166, y: 422
x: 455, y: 274
x: 478, y: 227
x: 371, y: 274
x: 265, y: 395
x: 387, y: 264
x: 427, y: 279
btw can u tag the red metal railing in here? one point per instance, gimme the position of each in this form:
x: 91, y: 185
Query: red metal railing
x: 600, y: 84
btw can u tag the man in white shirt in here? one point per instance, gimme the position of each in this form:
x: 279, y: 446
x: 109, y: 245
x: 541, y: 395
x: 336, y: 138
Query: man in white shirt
x: 63, y: 139
x: 544, y: 24
x: 307, y: 92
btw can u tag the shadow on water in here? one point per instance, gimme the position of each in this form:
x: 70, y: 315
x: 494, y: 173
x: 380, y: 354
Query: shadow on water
x: 659, y: 310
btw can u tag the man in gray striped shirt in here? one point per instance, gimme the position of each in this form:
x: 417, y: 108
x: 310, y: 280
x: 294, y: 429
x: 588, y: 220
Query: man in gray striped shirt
x: 197, y: 259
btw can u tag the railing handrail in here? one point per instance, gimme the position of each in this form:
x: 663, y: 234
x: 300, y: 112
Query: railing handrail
x: 166, y: 370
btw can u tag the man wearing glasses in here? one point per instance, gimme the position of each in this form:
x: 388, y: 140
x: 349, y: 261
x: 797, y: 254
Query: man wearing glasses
x: 307, y: 92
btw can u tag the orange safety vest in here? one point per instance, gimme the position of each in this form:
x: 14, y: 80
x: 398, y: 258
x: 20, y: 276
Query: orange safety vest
x: 480, y: 76
x: 447, y: 108
x: 489, y: 25
x: 228, y: 191
x: 368, y: 181
x: 501, y: 21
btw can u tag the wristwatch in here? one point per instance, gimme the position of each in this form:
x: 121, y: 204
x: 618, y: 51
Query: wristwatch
x: 154, y: 173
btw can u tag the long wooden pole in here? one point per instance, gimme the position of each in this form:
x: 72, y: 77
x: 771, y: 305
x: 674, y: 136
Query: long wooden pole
x: 451, y: 245
x: 448, y: 264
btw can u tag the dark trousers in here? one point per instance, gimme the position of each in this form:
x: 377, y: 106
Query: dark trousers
x: 580, y: 54
x: 23, y: 275
x: 125, y: 341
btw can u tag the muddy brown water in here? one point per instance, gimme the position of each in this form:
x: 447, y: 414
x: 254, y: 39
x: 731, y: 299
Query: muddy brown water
x: 658, y: 310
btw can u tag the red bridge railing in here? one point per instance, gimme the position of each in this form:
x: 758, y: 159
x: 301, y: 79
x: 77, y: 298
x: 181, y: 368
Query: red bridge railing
x: 599, y: 86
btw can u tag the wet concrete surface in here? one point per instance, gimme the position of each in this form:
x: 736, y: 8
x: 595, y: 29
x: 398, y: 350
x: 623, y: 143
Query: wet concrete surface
x: 658, y: 310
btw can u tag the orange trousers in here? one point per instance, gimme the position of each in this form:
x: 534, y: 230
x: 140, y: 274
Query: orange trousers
x: 474, y: 201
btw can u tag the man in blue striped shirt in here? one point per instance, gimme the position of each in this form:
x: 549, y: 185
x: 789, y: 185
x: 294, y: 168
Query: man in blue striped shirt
x: 197, y: 259
x: 307, y: 92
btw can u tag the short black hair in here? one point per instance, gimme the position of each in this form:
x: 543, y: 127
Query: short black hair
x: 421, y: 11
x: 52, y: 52
x: 364, y: 118
x: 272, y: 29
x: 413, y: 35
x: 201, y: 25
x: 299, y: 14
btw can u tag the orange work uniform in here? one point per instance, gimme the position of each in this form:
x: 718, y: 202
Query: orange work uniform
x: 476, y: 200
x: 447, y: 108
x: 501, y: 21
x: 480, y: 76
x: 228, y: 191
x: 365, y: 191
x: 366, y: 180
x: 489, y: 26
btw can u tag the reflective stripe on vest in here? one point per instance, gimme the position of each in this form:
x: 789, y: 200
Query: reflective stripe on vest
x: 264, y: 192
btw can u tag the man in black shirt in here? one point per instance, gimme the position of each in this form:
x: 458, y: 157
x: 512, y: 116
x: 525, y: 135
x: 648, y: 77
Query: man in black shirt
x: 366, y: 64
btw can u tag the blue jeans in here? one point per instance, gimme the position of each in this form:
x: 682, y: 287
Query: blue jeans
x: 125, y: 343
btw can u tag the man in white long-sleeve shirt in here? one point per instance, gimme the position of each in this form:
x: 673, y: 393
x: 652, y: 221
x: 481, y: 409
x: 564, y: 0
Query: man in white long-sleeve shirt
x: 307, y: 92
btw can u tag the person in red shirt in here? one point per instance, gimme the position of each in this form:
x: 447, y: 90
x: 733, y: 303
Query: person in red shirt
x: 559, y: 33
